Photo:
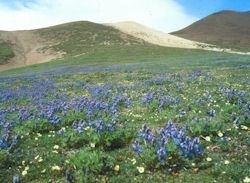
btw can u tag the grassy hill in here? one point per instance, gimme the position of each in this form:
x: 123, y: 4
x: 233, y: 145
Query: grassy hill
x: 6, y: 52
x: 70, y: 39
x: 86, y: 37
x: 227, y: 29
x: 78, y: 39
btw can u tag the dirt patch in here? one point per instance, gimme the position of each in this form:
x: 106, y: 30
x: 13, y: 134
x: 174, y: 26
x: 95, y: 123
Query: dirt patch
x: 29, y: 48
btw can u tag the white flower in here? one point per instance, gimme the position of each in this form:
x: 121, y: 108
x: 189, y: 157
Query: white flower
x: 226, y: 162
x: 220, y: 134
x: 207, y: 138
x: 140, y: 169
x: 92, y: 145
x: 39, y: 134
x: 243, y: 127
x: 24, y: 172
x: 56, y: 147
x: 117, y: 168
x: 133, y: 161
x: 56, y: 168
x: 246, y: 180
x: 209, y: 159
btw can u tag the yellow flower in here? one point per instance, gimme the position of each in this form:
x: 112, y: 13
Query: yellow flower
x: 209, y: 159
x: 226, y: 162
x: 117, y: 168
x: 56, y: 168
x: 246, y: 180
x: 140, y: 169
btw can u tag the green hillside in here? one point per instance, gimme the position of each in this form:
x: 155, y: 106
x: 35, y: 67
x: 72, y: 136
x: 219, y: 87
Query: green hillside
x: 86, y: 37
x: 5, y: 52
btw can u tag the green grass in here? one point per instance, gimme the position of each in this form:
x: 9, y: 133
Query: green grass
x: 5, y: 52
x: 86, y: 37
x: 153, y: 56
x: 92, y: 157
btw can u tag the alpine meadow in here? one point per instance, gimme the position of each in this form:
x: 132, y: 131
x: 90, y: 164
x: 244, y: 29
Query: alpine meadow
x: 116, y: 103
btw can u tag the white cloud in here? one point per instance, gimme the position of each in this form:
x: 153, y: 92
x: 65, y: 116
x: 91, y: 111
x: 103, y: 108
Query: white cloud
x: 165, y: 15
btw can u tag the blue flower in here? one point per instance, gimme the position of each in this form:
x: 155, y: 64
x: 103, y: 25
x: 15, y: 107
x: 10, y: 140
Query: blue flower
x: 211, y: 113
x: 136, y: 147
x: 161, y: 154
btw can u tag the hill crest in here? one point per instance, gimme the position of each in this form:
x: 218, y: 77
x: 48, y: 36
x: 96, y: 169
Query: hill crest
x: 226, y: 28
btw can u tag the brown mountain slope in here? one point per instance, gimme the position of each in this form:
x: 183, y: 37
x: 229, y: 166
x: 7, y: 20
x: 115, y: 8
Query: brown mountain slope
x: 28, y: 48
x: 72, y: 39
x: 228, y: 29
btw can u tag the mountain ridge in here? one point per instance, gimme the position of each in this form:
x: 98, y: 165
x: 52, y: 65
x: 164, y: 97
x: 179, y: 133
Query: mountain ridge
x: 84, y: 38
x: 230, y: 29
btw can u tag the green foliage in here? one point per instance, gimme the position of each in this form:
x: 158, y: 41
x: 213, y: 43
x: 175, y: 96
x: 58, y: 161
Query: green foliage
x: 5, y: 52
x: 117, y: 139
x: 206, y: 128
x: 85, y: 37
x: 91, y: 162
x: 93, y: 156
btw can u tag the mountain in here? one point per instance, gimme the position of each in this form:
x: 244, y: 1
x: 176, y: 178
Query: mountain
x: 228, y: 29
x: 71, y: 39
x: 82, y: 38
x: 87, y: 39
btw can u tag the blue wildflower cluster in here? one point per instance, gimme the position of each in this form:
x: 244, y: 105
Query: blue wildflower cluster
x: 187, y: 147
x: 239, y: 99
x: 6, y: 139
x: 100, y: 126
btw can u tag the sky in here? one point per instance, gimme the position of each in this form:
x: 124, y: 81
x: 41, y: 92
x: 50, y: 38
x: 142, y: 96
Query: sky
x: 163, y: 15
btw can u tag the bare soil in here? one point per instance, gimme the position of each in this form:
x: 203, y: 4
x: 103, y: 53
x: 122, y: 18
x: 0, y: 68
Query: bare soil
x: 28, y: 48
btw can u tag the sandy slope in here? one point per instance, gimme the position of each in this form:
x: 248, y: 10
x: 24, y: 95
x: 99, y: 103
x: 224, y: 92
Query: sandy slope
x: 28, y: 49
x: 165, y: 39
x: 153, y: 36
